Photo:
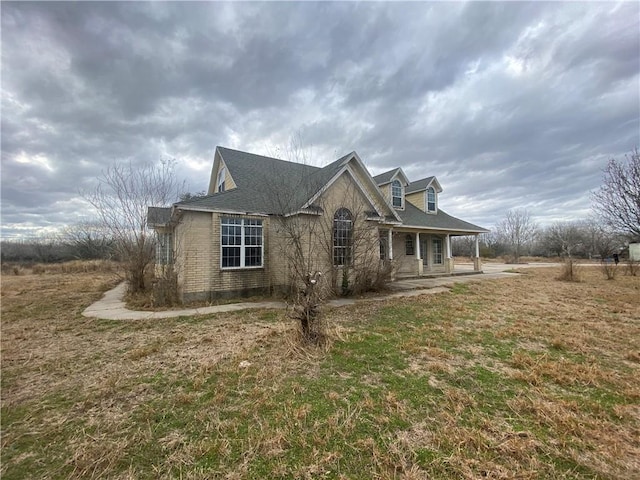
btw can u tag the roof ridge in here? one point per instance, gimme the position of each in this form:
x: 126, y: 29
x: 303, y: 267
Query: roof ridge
x: 290, y: 162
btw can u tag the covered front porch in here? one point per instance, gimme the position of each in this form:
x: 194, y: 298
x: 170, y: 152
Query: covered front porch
x: 422, y: 253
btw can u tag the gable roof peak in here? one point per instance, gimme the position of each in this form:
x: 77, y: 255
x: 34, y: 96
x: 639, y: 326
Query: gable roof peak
x: 423, y: 184
x: 389, y: 176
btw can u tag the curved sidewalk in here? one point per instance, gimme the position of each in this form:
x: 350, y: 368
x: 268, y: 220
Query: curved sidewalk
x: 112, y: 307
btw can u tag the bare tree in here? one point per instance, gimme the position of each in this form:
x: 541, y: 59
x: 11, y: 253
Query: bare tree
x: 463, y: 246
x: 121, y: 199
x: 89, y: 240
x: 563, y: 238
x: 600, y: 240
x: 617, y: 201
x: 491, y: 244
x: 316, y: 266
x: 517, y: 230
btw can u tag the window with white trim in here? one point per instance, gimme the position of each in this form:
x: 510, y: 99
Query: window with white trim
x: 222, y: 175
x: 342, y: 237
x: 437, y: 251
x: 396, y: 193
x: 431, y: 199
x: 241, y: 242
x: 164, y: 248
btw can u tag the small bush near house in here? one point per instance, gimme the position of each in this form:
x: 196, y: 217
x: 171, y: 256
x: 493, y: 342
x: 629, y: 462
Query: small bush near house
x: 373, y: 278
x: 164, y: 290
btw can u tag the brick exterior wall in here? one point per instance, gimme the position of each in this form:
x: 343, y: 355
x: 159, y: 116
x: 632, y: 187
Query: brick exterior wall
x: 198, y: 262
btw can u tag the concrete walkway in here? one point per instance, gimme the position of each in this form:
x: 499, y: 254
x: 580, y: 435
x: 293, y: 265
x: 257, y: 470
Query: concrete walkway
x: 112, y: 307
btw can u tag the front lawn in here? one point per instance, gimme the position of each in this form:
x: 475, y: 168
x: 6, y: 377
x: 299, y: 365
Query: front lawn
x: 526, y: 377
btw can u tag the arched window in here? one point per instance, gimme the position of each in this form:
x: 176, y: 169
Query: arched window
x: 408, y: 245
x: 342, y: 237
x: 396, y: 193
x: 431, y: 199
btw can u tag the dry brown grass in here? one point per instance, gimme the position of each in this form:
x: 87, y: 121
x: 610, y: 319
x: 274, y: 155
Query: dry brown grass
x: 527, y: 377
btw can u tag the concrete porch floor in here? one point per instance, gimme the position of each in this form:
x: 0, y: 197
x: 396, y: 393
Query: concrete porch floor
x: 463, y: 273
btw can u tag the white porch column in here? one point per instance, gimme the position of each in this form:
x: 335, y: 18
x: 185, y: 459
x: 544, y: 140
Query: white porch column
x: 477, y: 264
x: 390, y: 242
x: 448, y: 261
x: 419, y: 253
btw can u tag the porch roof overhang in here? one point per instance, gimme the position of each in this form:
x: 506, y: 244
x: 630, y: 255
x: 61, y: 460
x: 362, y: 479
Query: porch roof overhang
x: 442, y: 231
x: 415, y: 220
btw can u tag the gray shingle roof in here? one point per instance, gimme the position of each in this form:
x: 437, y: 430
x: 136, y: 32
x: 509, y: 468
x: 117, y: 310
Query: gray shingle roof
x: 414, y: 217
x: 418, y: 185
x: 385, y: 177
x: 271, y: 186
x: 266, y: 185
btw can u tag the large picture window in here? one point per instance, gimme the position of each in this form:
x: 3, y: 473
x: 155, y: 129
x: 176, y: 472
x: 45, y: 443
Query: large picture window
x: 342, y: 237
x: 241, y: 242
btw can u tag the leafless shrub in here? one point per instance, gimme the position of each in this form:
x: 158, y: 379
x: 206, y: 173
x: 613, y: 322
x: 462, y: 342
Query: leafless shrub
x: 609, y: 269
x: 570, y: 271
x: 373, y: 277
x: 306, y: 310
x: 632, y: 267
x: 164, y: 288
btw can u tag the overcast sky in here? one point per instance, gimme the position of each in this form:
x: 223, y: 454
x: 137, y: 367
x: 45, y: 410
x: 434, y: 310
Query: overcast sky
x: 510, y: 105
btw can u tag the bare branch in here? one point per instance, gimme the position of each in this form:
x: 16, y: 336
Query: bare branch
x: 617, y: 201
x: 122, y: 197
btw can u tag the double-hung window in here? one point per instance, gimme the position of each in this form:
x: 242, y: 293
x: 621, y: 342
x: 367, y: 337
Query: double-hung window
x: 241, y: 242
x: 164, y: 248
x: 431, y: 199
x: 408, y: 245
x: 396, y: 193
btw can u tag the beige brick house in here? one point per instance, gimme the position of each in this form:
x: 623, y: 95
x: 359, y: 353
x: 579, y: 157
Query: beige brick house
x: 262, y: 215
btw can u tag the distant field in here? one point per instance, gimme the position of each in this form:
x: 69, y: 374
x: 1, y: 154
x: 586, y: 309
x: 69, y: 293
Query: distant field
x: 527, y: 377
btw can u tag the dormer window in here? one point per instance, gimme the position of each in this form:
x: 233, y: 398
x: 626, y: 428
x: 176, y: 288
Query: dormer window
x: 396, y: 194
x: 221, y: 179
x: 431, y: 199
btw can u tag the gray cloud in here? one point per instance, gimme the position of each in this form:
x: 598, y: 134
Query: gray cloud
x: 510, y: 104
